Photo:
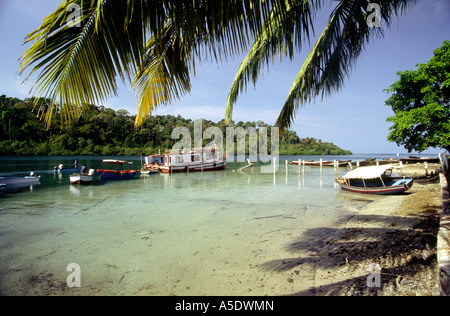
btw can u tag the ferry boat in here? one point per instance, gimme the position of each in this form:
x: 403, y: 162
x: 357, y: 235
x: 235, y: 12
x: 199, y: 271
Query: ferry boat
x: 203, y: 159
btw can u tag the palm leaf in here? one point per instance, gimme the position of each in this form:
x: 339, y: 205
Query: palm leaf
x: 330, y: 60
x: 335, y: 52
x: 79, y: 65
x: 164, y: 74
x: 281, y: 33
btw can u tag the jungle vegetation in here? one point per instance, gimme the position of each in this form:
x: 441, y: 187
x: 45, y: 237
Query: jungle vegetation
x: 104, y: 131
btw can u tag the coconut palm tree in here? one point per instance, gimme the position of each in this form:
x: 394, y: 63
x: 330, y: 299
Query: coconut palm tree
x: 154, y: 45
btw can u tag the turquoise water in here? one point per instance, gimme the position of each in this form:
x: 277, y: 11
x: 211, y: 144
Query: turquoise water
x: 205, y: 233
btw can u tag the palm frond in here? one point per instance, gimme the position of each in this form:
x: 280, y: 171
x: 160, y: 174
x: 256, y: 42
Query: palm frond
x: 163, y: 75
x: 80, y: 65
x: 282, y: 32
x: 335, y: 52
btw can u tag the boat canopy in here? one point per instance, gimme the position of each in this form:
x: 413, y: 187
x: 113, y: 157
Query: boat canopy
x: 371, y: 172
x: 117, y: 162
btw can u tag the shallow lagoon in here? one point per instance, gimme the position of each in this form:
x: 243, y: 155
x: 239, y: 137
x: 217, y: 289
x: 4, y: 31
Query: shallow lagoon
x: 211, y: 233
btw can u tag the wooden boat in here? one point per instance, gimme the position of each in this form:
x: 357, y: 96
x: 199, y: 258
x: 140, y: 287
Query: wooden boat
x: 325, y: 163
x: 152, y: 164
x: 82, y: 178
x: 60, y: 168
x: 375, y: 180
x: 296, y: 162
x: 106, y: 174
x: 196, y: 160
x: 17, y: 182
x: 414, y: 159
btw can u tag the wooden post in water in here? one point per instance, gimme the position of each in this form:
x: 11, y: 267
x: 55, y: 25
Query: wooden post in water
x: 336, y: 168
x: 321, y: 172
x: 287, y: 166
x: 303, y: 169
x: 426, y: 168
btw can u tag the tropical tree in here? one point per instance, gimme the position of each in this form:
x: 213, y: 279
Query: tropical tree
x: 421, y: 103
x: 83, y: 48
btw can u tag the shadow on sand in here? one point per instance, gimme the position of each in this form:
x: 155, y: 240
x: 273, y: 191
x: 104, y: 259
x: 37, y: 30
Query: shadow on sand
x: 403, y: 252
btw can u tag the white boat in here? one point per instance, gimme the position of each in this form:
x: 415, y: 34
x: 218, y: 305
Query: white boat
x: 204, y: 159
x: 16, y: 182
x: 82, y: 178
x: 375, y: 180
x: 152, y: 164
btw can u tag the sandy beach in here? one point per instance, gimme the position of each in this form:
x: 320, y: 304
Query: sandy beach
x: 396, y: 234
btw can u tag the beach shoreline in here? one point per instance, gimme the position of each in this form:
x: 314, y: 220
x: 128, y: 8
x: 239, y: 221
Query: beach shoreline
x: 391, y: 240
x: 396, y: 233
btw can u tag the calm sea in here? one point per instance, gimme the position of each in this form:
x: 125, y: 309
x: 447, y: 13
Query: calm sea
x: 211, y: 233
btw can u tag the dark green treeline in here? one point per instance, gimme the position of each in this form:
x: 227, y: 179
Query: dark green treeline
x: 106, y: 132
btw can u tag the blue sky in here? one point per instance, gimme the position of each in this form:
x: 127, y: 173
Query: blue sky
x: 354, y: 118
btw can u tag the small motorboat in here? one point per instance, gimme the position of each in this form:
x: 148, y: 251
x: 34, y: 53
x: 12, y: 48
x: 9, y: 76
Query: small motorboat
x: 17, y: 182
x: 106, y: 174
x: 82, y: 178
x: 375, y: 180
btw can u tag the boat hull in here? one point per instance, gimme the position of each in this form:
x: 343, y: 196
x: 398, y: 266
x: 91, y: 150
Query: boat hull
x: 81, y: 179
x: 66, y: 170
x: 194, y: 167
x: 19, y: 180
x: 14, y: 183
x: 106, y: 175
x: 395, y: 186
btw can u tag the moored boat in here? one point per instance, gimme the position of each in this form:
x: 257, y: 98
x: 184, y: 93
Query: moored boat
x: 152, y: 164
x: 107, y: 174
x: 204, y: 159
x: 375, y: 180
x: 17, y: 182
x: 325, y: 163
x: 82, y: 178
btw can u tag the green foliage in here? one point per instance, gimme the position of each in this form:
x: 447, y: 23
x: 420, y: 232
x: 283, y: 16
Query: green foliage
x: 421, y: 103
x: 106, y: 132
